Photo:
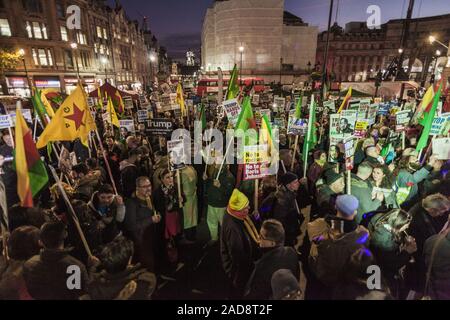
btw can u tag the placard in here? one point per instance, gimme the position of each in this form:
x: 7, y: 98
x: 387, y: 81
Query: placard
x: 142, y: 115
x: 232, y: 110
x: 253, y: 171
x: 439, y: 124
x: 441, y: 148
x: 159, y: 126
x: 372, y: 113
x: 297, y: 127
x: 126, y: 125
x: 256, y: 154
x: 128, y: 102
x: 9, y: 120
x: 330, y: 105
x: 255, y: 99
x: 334, y: 150
x: 349, y: 152
x: 279, y: 103
x: 402, y: 118
x: 177, y: 156
x: 142, y: 101
x: 361, y: 128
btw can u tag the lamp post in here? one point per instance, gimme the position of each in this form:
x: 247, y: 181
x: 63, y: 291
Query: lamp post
x: 104, y: 61
x: 433, y: 39
x: 241, y: 51
x: 433, y: 75
x: 74, y: 46
x: 22, y: 54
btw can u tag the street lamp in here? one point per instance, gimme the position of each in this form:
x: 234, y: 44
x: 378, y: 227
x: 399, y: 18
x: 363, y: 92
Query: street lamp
x: 74, y: 46
x: 241, y: 51
x: 400, y: 50
x: 21, y: 53
x: 104, y: 61
x: 433, y: 75
x: 152, y: 58
x: 433, y: 39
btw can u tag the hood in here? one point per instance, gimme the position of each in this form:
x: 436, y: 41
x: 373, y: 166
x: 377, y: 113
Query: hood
x: 125, y: 164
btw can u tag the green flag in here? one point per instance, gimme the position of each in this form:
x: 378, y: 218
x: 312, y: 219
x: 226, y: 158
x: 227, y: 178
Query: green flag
x: 39, y: 107
x: 233, y: 86
x: 203, y: 116
x: 298, y: 107
x: 311, y: 135
x: 245, y: 119
x: 428, y: 120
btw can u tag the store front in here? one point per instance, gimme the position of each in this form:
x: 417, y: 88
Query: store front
x: 89, y: 83
x: 70, y: 84
x: 42, y: 82
x: 18, y: 86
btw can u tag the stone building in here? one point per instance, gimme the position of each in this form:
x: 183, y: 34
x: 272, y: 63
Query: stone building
x: 107, y: 46
x: 258, y: 34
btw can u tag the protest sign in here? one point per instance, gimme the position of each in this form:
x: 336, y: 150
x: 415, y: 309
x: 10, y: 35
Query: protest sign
x: 347, y: 122
x: 279, y: 103
x: 372, y: 113
x: 256, y: 162
x: 401, y: 120
x: 361, y: 128
x: 159, y: 126
x: 439, y: 123
x: 253, y: 171
x: 353, y: 105
x: 90, y: 101
x: 177, y: 156
x: 255, y: 99
x: 128, y: 102
x: 142, y: 101
x: 441, y: 148
x: 334, y: 150
x: 297, y: 127
x: 126, y: 125
x: 232, y: 110
x: 5, y: 122
x: 349, y: 152
x: 384, y: 109
x: 363, y: 109
x: 330, y: 105
x: 9, y: 120
x: 142, y: 115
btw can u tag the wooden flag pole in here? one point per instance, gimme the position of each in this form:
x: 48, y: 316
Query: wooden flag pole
x: 180, y: 198
x: 349, y: 180
x: 295, y: 152
x: 256, y: 206
x: 108, y: 168
x: 224, y: 157
x: 71, y: 211
x: 284, y: 167
x: 403, y: 140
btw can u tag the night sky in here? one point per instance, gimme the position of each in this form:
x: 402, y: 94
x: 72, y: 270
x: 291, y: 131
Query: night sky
x: 178, y: 23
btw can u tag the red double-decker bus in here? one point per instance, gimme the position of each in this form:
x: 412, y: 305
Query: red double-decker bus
x: 211, y: 86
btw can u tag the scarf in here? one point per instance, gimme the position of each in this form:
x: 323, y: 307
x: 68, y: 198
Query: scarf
x: 147, y: 200
x: 320, y: 162
x: 248, y: 223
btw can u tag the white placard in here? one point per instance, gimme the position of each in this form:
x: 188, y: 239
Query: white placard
x: 232, y: 110
x: 441, y: 148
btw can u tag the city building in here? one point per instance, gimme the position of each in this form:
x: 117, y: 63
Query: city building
x: 358, y: 54
x: 260, y: 37
x: 108, y: 46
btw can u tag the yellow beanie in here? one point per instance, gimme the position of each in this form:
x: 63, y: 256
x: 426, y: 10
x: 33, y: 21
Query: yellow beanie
x: 238, y: 201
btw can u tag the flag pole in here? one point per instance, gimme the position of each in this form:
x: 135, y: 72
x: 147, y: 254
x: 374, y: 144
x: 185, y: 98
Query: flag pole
x: 349, y: 179
x: 4, y: 220
x: 224, y: 157
x: 71, y: 211
x: 295, y: 151
x: 108, y: 168
x: 180, y: 198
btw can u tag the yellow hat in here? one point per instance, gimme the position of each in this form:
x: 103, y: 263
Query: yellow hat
x: 238, y: 201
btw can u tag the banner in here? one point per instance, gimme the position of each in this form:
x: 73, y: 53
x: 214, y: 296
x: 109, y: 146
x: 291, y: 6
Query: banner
x: 142, y: 115
x: 441, y: 148
x: 232, y: 110
x: 177, y: 156
x: 159, y: 126
x: 439, y: 123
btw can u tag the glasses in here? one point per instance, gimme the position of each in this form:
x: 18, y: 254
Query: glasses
x: 145, y: 186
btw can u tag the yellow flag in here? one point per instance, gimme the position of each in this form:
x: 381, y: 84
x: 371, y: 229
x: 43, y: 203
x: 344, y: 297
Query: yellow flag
x: 47, y: 105
x: 112, y: 113
x: 72, y: 120
x: 180, y: 100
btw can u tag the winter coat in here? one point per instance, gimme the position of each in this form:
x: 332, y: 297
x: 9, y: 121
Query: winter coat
x: 86, y: 186
x: 46, y: 275
x: 9, y: 177
x: 414, y: 179
x: 326, y: 200
x: 128, y: 175
x: 12, y: 283
x: 439, y: 286
x: 285, y: 211
x: 218, y: 197
x: 107, y: 286
x: 110, y: 216
x: 362, y: 190
x: 138, y: 217
x: 188, y: 177
x: 236, y: 250
x: 259, y: 285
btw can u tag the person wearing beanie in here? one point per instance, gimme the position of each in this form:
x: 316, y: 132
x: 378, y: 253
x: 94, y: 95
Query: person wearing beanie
x: 333, y: 240
x: 285, y: 208
x: 285, y: 286
x: 275, y: 256
x: 238, y: 242
x: 326, y: 194
x: 316, y: 169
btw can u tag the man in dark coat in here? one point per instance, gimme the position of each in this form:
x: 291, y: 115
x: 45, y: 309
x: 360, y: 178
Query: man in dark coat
x: 129, y: 172
x: 46, y: 275
x: 327, y: 193
x: 238, y: 241
x: 285, y: 209
x: 9, y: 176
x: 276, y: 256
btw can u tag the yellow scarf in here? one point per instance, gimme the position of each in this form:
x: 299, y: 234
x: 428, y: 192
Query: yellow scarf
x: 249, y: 226
x: 148, y: 201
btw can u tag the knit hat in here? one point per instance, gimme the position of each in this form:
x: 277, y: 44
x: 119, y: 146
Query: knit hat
x: 283, y: 282
x: 347, y: 204
x: 288, y: 177
x: 238, y: 201
x: 331, y: 176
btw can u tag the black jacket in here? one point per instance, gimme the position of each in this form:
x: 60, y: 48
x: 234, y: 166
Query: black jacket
x: 46, y: 275
x: 285, y: 211
x: 137, y: 218
x: 128, y: 175
x: 259, y: 285
x: 107, y: 286
x: 236, y: 250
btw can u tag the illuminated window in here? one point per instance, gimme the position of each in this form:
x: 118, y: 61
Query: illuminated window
x: 28, y: 27
x: 42, y: 57
x: 105, y: 35
x: 4, y: 28
x: 64, y: 36
x: 99, y: 32
x: 81, y: 38
x: 35, y: 57
x: 37, y: 30
x: 49, y: 57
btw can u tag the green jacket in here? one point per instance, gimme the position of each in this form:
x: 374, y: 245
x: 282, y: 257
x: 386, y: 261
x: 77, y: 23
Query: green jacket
x: 362, y: 190
x: 218, y: 197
